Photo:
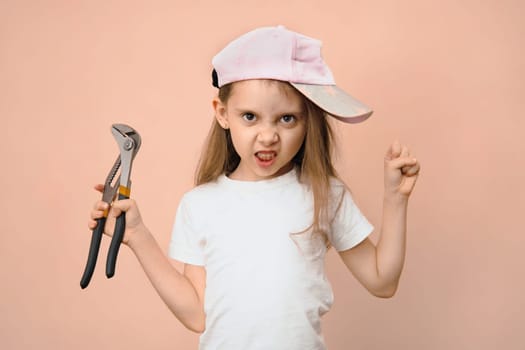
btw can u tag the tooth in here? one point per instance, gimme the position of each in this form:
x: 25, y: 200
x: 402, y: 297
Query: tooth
x: 265, y: 156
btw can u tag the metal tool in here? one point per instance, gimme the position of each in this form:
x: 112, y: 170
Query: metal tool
x: 129, y: 143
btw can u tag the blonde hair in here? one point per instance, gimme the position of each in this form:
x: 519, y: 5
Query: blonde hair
x: 313, y: 160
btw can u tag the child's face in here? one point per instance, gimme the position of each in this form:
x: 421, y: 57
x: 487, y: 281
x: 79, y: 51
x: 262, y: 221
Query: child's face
x: 267, y: 124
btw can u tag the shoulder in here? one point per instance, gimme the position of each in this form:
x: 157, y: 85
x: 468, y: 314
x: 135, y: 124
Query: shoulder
x: 206, y: 190
x: 340, y: 195
x: 338, y: 187
x: 337, y: 183
x: 203, y: 190
x: 202, y: 195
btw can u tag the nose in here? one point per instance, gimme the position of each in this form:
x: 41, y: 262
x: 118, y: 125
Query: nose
x: 268, y: 135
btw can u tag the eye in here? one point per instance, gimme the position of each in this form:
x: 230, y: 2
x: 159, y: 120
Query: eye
x: 288, y: 119
x: 249, y: 117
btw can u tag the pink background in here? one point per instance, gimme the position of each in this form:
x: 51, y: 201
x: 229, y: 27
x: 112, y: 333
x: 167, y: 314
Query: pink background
x: 445, y: 77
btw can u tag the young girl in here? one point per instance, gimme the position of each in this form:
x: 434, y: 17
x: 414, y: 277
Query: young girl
x: 268, y: 204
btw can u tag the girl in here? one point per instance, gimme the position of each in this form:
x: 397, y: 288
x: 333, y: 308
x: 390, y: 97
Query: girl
x: 268, y: 204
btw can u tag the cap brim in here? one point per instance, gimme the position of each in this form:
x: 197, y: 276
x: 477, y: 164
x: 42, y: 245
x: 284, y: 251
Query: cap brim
x: 335, y: 102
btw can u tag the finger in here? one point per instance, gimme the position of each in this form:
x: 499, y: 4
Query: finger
x: 399, y: 163
x: 99, y: 211
x: 97, y: 214
x: 92, y: 224
x: 396, y: 149
x: 101, y: 205
x: 114, y: 211
x: 120, y: 206
x: 393, y: 151
x: 99, y: 187
x: 404, y: 152
x: 413, y: 170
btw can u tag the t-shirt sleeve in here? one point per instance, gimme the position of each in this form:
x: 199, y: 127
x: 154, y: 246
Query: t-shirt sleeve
x: 349, y: 227
x: 185, y: 244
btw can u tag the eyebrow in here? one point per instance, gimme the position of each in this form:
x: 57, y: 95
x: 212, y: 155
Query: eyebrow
x: 287, y: 112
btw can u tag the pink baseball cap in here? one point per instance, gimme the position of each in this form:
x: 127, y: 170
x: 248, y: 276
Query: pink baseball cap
x: 281, y: 54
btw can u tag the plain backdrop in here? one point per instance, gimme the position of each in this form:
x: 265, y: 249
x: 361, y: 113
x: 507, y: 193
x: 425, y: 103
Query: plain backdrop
x: 446, y: 78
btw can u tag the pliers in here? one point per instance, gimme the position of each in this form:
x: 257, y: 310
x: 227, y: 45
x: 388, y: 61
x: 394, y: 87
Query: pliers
x: 129, y: 143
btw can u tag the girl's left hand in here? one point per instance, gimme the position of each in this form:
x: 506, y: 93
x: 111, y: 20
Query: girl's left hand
x: 401, y: 171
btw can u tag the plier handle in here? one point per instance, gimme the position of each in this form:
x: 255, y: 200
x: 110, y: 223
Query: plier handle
x: 129, y: 143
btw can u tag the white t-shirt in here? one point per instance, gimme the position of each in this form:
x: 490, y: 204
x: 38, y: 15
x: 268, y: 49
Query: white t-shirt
x: 265, y: 282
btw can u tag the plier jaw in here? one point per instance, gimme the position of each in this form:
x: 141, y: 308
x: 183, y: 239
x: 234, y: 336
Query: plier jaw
x: 129, y: 142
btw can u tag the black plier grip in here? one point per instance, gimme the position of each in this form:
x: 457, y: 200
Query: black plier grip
x: 118, y: 235
x: 129, y: 143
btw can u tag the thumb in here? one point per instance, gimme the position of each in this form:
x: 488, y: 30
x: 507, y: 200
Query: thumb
x: 120, y: 206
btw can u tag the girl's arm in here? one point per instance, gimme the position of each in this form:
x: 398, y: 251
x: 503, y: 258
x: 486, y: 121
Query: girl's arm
x: 379, y: 268
x: 182, y: 293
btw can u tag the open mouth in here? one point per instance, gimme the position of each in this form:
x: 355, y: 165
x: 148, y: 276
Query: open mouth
x: 265, y: 158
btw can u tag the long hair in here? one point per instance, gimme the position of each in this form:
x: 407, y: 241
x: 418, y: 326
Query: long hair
x: 313, y: 160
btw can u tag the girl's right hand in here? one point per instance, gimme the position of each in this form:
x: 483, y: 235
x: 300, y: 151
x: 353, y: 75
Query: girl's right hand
x: 134, y: 225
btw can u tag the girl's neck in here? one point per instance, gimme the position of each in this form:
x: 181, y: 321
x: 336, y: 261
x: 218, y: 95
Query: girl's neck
x: 237, y: 174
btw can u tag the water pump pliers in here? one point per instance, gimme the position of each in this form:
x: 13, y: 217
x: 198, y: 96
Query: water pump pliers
x: 129, y: 143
